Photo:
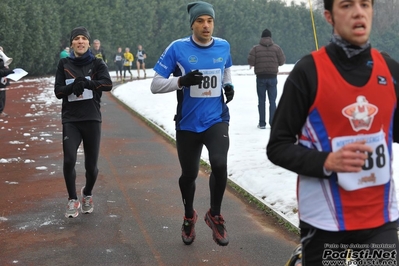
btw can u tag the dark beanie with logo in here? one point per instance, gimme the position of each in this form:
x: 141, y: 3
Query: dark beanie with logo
x: 79, y: 31
x: 266, y: 33
x: 196, y: 9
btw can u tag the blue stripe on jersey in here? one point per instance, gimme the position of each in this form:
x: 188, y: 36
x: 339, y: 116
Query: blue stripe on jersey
x: 333, y: 180
x: 387, y: 187
x: 321, y: 133
x: 387, y: 192
x: 320, y: 130
x: 197, y: 112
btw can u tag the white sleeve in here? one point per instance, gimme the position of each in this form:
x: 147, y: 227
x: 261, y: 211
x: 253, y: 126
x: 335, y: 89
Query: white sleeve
x: 227, y: 76
x: 160, y: 84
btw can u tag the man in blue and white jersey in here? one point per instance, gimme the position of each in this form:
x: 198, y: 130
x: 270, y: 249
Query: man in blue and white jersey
x: 200, y: 65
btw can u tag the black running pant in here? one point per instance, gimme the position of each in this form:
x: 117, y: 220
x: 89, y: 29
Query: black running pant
x: 73, y: 134
x: 189, y: 147
x: 2, y: 99
x: 126, y: 68
x: 368, y: 245
x: 119, y: 67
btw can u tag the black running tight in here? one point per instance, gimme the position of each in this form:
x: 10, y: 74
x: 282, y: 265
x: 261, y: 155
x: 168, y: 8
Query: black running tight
x: 73, y: 134
x: 126, y: 68
x: 189, y: 147
x: 321, y: 247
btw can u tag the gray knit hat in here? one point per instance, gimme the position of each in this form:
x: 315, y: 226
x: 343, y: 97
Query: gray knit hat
x: 199, y: 8
x: 79, y: 31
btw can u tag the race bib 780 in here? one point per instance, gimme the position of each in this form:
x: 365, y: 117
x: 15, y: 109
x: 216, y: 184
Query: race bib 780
x: 211, y: 84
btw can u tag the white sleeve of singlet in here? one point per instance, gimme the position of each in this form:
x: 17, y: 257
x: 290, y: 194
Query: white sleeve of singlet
x: 160, y: 84
x: 227, y: 76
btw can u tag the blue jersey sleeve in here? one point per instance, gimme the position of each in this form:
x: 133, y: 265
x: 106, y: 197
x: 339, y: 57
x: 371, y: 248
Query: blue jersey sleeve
x: 167, y: 62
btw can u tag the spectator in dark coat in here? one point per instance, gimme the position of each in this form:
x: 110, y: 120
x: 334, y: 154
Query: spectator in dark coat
x: 266, y: 57
x: 4, y: 82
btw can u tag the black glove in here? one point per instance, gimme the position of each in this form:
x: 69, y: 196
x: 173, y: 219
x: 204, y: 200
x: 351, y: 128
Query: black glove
x: 78, y: 88
x: 229, y: 92
x: 5, y: 72
x: 82, y: 79
x: 77, y: 79
x: 192, y: 78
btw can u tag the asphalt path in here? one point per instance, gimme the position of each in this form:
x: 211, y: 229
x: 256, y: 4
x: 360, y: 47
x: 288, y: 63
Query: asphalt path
x: 138, y: 211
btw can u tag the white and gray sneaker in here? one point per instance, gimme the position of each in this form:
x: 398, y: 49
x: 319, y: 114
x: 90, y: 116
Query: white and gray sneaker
x: 87, y: 202
x: 72, y: 209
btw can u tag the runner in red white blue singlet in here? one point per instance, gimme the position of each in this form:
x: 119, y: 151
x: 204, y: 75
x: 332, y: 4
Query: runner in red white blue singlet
x: 348, y: 201
x: 334, y: 126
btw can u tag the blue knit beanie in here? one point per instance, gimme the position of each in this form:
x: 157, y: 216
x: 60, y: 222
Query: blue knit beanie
x: 196, y: 9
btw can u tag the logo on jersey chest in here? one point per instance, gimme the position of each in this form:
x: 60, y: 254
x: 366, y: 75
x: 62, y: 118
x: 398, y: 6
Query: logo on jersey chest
x: 217, y: 60
x: 382, y: 80
x: 192, y: 59
x: 360, y: 114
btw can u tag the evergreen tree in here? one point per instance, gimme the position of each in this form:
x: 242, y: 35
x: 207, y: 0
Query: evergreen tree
x: 33, y: 32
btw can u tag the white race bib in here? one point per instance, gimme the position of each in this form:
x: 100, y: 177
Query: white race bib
x: 376, y: 170
x: 87, y: 94
x: 211, y: 84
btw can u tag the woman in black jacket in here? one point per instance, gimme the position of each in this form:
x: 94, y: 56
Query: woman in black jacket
x: 80, y: 80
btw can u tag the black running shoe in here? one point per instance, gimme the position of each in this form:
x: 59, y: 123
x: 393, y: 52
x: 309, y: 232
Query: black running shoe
x: 219, y: 231
x: 188, y: 229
